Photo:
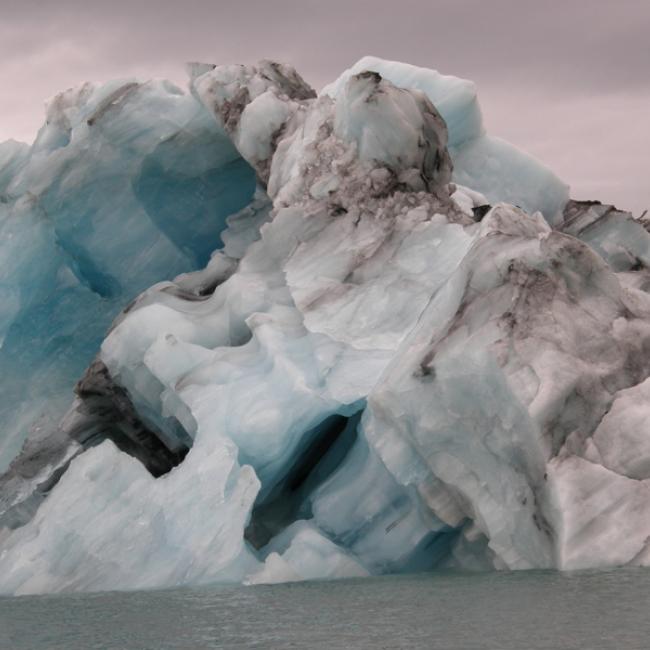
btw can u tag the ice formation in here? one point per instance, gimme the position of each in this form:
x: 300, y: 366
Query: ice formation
x: 95, y: 212
x: 408, y: 350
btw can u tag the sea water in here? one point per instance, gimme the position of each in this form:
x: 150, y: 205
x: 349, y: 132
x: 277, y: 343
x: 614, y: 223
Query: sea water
x: 526, y: 610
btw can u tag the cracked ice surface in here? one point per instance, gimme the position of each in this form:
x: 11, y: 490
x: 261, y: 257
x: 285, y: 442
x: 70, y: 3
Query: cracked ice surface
x: 377, y: 372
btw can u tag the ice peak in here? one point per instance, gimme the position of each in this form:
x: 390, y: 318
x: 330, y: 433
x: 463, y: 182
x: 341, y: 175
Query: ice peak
x: 322, y: 148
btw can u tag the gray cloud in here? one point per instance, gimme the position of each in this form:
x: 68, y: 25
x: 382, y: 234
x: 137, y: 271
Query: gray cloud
x: 567, y: 80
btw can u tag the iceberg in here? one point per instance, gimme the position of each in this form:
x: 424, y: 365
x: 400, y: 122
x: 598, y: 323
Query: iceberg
x: 313, y: 335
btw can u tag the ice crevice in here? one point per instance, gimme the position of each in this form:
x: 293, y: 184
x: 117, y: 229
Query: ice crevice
x: 275, y: 509
x: 320, y: 340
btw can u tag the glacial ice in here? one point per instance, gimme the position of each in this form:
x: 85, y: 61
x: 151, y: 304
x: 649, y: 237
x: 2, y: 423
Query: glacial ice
x: 409, y: 349
x: 92, y: 214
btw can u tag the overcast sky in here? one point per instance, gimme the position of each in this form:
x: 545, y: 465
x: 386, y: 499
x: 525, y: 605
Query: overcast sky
x: 567, y: 80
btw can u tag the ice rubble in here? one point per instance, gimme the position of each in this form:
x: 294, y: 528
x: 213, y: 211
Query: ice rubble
x: 380, y: 370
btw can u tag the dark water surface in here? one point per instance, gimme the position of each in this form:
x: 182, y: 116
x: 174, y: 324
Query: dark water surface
x: 500, y: 611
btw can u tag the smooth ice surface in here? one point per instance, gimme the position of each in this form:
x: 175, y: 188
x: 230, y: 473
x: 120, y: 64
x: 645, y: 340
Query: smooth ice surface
x: 408, y: 350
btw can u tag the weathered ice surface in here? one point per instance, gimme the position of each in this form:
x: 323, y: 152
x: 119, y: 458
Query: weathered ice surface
x: 485, y: 163
x: 385, y: 365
